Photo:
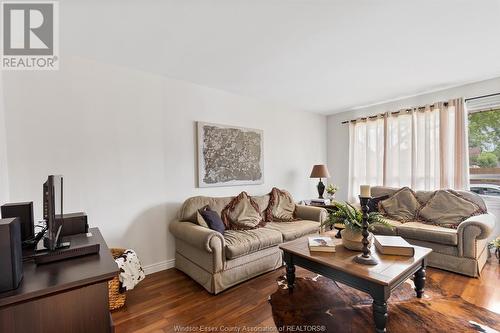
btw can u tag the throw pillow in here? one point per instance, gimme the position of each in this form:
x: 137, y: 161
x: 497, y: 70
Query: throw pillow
x: 447, y: 209
x: 199, y: 218
x: 212, y: 219
x: 471, y: 197
x: 374, y: 202
x: 401, y: 206
x: 281, y: 207
x: 242, y: 213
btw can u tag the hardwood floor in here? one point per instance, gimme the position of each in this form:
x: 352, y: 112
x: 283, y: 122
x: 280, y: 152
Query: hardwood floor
x: 169, y: 298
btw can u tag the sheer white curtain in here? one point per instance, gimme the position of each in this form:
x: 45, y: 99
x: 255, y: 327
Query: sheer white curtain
x: 453, y: 126
x: 423, y: 148
x: 366, y: 154
x: 412, y: 149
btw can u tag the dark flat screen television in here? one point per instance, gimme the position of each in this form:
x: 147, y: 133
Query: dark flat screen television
x: 53, y: 248
x: 53, y: 211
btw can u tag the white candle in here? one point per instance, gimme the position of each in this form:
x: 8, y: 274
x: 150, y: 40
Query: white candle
x: 365, y: 191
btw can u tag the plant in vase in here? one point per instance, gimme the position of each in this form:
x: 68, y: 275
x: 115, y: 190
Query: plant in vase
x: 352, y: 219
x: 331, y: 190
x: 496, y: 244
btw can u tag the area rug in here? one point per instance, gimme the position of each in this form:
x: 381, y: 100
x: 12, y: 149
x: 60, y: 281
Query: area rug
x: 319, y: 304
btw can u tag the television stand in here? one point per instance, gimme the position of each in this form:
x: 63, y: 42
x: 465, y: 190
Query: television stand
x: 64, y: 296
x: 71, y: 247
x: 41, y: 246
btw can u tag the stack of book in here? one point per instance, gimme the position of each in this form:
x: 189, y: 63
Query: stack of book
x: 393, y: 245
x: 320, y: 202
x: 321, y: 244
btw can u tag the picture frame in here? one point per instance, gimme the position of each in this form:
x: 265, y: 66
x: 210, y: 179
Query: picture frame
x: 229, y: 155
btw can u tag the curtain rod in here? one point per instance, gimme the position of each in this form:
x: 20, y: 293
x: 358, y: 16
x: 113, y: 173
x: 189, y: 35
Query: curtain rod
x: 419, y: 108
x: 484, y: 96
x: 395, y: 113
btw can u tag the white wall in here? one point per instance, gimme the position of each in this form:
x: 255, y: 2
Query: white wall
x: 4, y: 180
x: 338, y: 133
x: 125, y: 142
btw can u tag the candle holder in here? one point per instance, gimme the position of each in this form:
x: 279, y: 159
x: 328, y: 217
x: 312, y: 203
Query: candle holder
x: 365, y: 258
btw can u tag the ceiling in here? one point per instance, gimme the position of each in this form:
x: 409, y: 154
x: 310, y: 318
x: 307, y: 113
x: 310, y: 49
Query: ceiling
x: 317, y: 55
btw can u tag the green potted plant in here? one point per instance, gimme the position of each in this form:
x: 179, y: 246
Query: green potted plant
x: 352, y: 219
x: 331, y: 190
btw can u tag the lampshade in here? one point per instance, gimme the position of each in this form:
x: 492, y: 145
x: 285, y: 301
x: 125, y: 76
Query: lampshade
x: 319, y: 171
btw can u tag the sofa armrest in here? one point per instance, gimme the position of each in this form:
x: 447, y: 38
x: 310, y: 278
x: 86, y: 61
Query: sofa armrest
x: 474, y: 228
x: 201, y: 245
x: 200, y: 237
x: 311, y: 213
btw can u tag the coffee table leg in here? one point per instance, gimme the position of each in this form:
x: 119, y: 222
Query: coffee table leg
x: 380, y: 315
x: 420, y: 282
x: 290, y: 271
x: 380, y: 295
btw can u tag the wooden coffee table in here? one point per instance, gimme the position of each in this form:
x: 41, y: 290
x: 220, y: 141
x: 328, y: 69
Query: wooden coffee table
x: 378, y: 280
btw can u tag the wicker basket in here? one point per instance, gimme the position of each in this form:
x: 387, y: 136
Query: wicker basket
x: 116, y: 299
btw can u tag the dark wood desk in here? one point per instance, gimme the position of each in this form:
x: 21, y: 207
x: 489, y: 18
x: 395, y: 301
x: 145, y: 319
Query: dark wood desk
x: 65, y: 296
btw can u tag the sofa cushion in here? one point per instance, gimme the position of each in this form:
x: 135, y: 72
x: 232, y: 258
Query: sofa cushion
x: 374, y: 202
x: 401, y: 206
x: 262, y: 201
x: 212, y: 219
x: 243, y: 242
x: 424, y: 196
x: 447, y: 209
x: 281, y: 206
x: 381, y: 229
x: 379, y: 191
x: 242, y: 213
x: 200, y: 220
x: 293, y: 230
x: 428, y: 232
x: 449, y: 250
x: 472, y: 197
x: 190, y: 207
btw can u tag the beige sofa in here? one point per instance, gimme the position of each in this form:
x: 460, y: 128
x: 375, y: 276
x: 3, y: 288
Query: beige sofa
x: 463, y: 250
x: 218, y: 261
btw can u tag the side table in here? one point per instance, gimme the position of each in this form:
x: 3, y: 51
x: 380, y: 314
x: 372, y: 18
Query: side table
x: 338, y: 226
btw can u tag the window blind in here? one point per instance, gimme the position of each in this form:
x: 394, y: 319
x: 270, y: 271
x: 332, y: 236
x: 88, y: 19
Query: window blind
x: 483, y: 103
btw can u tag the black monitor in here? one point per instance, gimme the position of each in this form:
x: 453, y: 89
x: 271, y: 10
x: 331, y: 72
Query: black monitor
x: 53, y: 211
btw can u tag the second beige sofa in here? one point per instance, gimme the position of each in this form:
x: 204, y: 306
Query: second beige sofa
x: 462, y: 250
x: 218, y: 261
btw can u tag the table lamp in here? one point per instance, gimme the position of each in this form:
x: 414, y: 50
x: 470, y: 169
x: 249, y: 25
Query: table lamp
x: 320, y: 171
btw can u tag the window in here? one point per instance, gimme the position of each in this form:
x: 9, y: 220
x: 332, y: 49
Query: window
x: 484, y: 145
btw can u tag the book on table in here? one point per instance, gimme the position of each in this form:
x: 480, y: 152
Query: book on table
x: 393, y: 245
x: 321, y: 244
x: 320, y: 201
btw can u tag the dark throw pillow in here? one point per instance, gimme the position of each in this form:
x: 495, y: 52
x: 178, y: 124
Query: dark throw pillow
x: 373, y: 203
x: 212, y: 219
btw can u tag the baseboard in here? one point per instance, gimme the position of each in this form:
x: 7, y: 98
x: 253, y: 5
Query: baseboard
x: 159, y: 266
